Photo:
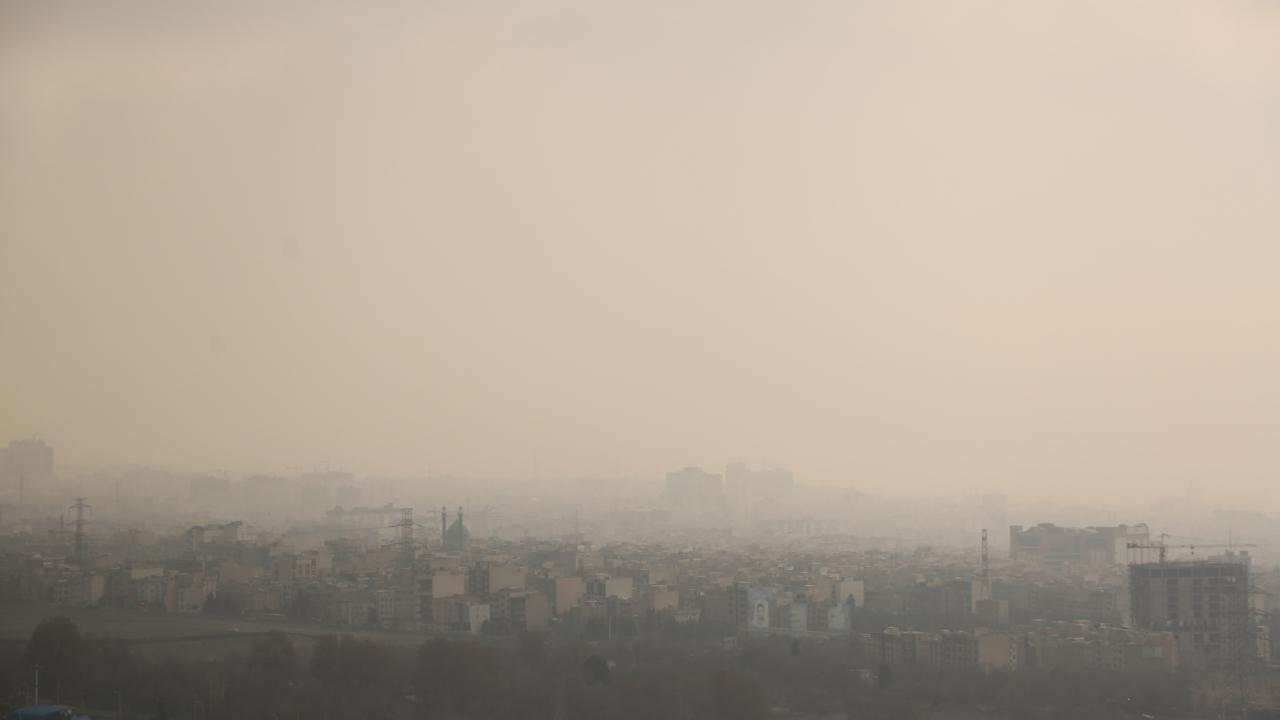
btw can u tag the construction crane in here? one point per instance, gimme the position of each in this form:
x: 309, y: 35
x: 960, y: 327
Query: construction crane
x: 1164, y: 547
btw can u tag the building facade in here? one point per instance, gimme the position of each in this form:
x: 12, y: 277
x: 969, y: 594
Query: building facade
x: 1205, y: 604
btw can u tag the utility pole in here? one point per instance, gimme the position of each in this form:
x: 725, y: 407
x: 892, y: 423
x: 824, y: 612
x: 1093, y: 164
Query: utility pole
x: 986, y: 557
x: 405, y: 539
x: 79, y: 506
x: 986, y: 566
x: 36, y: 701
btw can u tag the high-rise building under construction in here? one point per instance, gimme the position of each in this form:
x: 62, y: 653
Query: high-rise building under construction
x: 1205, y: 603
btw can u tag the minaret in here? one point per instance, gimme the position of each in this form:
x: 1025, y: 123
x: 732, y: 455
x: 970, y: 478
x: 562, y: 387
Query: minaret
x: 444, y: 527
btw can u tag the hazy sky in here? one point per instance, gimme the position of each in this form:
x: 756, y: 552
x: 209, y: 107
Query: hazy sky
x: 913, y: 246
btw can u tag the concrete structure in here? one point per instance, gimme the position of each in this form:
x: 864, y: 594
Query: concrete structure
x: 1054, y: 549
x: 760, y: 608
x: 959, y: 598
x: 78, y: 589
x: 746, y: 487
x: 224, y: 534
x: 957, y: 649
x: 692, y: 488
x: 840, y: 618
x: 523, y: 609
x: 568, y: 593
x: 308, y: 565
x: 997, y: 650
x: 347, y: 495
x: 385, y: 600
x: 908, y: 648
x: 1078, y: 646
x: 1205, y: 604
x: 210, y: 489
x: 663, y: 598
x: 797, y: 616
x: 191, y: 590
x: 505, y: 577
x: 489, y: 578
x: 619, y: 587
x: 448, y: 583
x: 850, y: 588
x: 478, y: 614
x: 992, y: 612
x: 364, y: 518
x: 31, y: 460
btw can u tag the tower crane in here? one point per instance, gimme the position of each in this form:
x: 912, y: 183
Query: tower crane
x: 1164, y: 547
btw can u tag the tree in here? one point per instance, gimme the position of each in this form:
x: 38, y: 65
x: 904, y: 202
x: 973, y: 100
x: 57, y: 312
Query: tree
x: 595, y: 629
x: 107, y: 660
x: 454, y: 679
x: 737, y: 697
x: 55, y: 646
x: 595, y: 671
x: 272, y: 658
x: 532, y: 649
x: 352, y: 673
x: 271, y: 670
x: 324, y: 662
x: 644, y: 699
x: 582, y: 701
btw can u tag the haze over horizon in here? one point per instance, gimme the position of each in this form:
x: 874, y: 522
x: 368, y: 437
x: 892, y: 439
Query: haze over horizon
x: 906, y: 246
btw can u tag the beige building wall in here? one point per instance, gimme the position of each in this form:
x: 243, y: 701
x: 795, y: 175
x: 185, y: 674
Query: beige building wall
x: 537, y: 611
x: 506, y: 577
x: 477, y: 615
x: 849, y: 586
x: 996, y: 651
x: 618, y: 587
x: 448, y: 583
x: 568, y: 593
x: 664, y: 599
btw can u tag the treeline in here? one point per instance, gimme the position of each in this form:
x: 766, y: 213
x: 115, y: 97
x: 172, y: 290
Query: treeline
x: 532, y: 676
x: 1029, y: 694
x: 350, y: 677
